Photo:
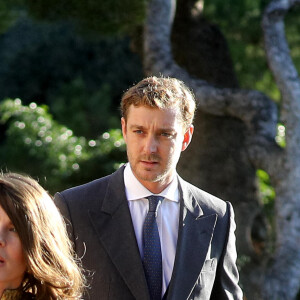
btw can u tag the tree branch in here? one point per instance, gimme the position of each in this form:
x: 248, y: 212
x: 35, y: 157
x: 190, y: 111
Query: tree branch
x: 279, y: 59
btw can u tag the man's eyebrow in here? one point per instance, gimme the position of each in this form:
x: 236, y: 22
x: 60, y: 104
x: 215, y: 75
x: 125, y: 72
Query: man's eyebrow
x: 167, y: 129
x: 162, y: 129
x: 136, y: 126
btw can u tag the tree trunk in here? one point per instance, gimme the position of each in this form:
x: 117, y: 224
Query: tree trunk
x: 283, y: 276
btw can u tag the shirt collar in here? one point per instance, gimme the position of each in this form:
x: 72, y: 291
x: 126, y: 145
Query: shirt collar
x: 135, y: 190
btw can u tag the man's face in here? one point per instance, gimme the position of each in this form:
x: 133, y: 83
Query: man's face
x: 155, y: 139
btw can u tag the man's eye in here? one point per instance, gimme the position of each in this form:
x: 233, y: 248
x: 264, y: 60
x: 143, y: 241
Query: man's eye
x: 166, y: 134
x: 138, y: 131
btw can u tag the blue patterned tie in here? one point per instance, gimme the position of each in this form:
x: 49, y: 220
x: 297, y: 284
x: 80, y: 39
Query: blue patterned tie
x: 152, y: 252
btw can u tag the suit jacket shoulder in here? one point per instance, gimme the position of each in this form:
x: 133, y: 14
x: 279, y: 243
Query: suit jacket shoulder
x: 76, y: 203
x: 78, y: 193
x: 93, y: 193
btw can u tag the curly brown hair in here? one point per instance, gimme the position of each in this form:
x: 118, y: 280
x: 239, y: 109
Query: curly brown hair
x: 52, y: 271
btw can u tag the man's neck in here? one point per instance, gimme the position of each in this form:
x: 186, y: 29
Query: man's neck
x: 136, y: 188
x: 156, y: 187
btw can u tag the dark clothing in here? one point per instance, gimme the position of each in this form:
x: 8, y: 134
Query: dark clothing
x: 101, y: 228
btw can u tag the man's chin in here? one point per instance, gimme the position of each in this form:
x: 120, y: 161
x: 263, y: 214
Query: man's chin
x: 148, y: 178
x: 148, y: 175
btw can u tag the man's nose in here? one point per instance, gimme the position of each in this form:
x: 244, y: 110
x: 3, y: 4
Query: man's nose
x: 151, y: 144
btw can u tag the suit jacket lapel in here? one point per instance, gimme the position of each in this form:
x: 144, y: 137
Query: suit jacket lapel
x: 115, y: 230
x: 194, y: 237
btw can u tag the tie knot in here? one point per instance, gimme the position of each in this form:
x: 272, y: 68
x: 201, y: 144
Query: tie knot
x: 153, y: 202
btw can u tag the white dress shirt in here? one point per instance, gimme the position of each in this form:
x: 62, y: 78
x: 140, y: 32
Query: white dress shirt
x: 167, y: 218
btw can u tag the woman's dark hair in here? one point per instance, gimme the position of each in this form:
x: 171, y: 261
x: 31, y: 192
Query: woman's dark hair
x: 52, y: 272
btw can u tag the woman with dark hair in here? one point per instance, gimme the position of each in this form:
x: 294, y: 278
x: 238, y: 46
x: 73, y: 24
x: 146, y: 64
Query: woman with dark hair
x: 36, y: 257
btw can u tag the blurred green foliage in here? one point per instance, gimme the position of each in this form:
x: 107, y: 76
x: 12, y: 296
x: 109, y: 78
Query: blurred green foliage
x: 38, y: 145
x: 86, y: 112
x: 280, y: 137
x: 267, y: 192
x: 80, y: 78
x: 76, y: 82
x: 105, y: 17
x: 9, y: 14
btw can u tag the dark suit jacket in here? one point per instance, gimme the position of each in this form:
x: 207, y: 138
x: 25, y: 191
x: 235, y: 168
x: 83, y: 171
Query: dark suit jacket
x: 103, y: 235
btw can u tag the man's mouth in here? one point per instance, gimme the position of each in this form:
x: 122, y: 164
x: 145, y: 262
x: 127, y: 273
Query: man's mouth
x: 149, y: 162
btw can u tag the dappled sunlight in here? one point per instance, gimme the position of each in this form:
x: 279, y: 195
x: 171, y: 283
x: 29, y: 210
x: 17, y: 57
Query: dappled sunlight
x: 40, y: 145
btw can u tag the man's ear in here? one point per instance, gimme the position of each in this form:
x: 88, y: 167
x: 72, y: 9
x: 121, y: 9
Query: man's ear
x: 187, y: 137
x: 123, y: 123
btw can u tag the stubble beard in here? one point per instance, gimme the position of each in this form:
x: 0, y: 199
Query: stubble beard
x: 161, y: 177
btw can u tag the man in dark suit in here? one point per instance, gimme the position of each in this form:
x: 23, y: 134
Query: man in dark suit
x: 144, y: 232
